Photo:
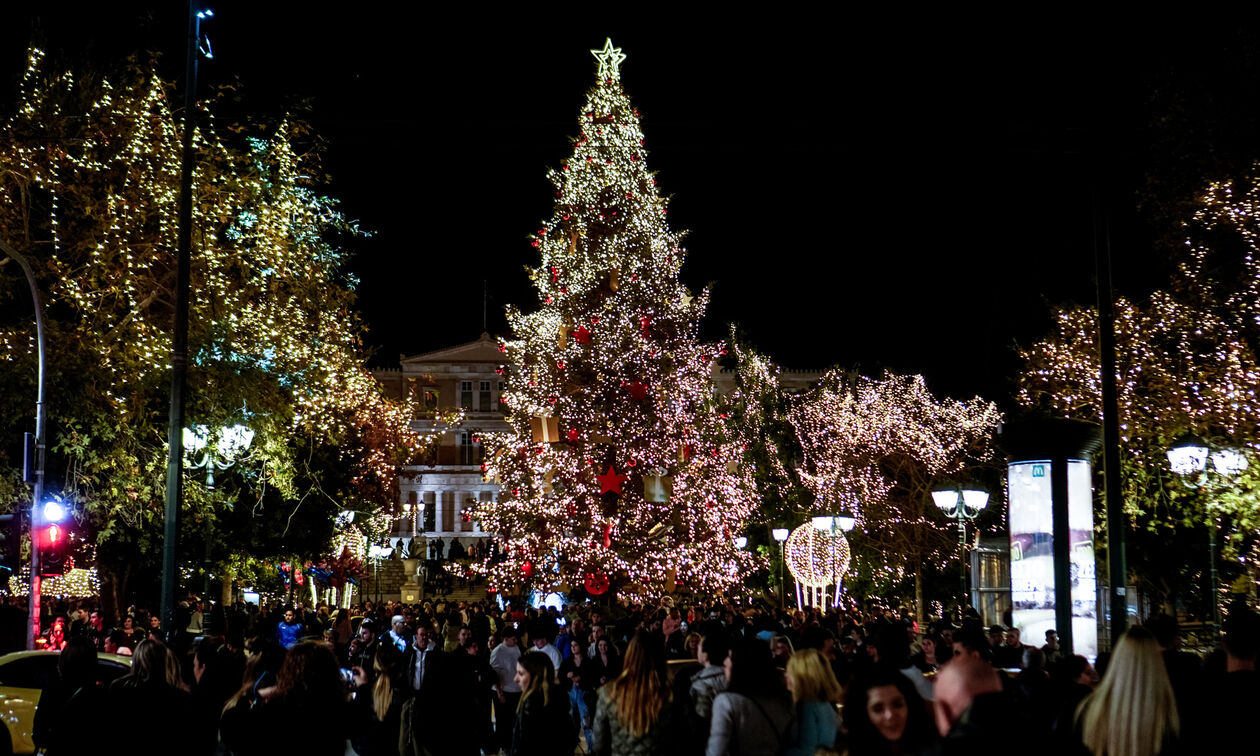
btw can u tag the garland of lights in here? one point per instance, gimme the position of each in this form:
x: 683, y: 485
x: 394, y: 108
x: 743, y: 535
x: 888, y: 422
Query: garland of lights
x: 619, y: 467
x: 874, y: 447
x: 96, y: 167
x: 1185, y: 362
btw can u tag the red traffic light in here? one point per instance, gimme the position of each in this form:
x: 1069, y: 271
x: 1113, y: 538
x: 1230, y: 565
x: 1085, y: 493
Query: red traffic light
x: 54, y: 545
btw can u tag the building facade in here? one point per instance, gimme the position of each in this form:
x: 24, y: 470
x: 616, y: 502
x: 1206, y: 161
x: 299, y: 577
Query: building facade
x: 438, y: 494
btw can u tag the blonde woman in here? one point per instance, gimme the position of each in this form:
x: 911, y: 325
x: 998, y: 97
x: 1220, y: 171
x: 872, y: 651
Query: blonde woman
x: 630, y: 714
x: 815, y: 693
x: 1133, y: 711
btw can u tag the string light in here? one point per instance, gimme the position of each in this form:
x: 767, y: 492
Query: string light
x: 612, y: 351
x: 1185, y: 361
x: 95, y: 167
x: 873, y: 447
x: 816, y: 559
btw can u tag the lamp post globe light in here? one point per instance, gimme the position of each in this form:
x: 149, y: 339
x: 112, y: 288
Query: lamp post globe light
x: 780, y: 535
x: 1197, y: 462
x: 961, y: 504
x: 200, y: 450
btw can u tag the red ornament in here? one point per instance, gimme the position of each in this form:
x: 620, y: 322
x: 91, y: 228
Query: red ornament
x: 527, y: 569
x: 710, y: 503
x: 645, y: 325
x: 572, y: 434
x: 638, y: 391
x: 534, y: 244
x: 555, y: 274
x: 503, y: 348
x: 632, y: 463
x: 560, y: 364
x: 610, y: 481
x: 608, y: 535
x: 595, y: 583
x: 581, y: 335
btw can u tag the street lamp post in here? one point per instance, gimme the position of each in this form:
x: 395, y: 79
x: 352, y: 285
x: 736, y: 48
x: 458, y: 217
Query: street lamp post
x: 961, y: 505
x: 780, y: 536
x: 1190, y: 458
x: 33, y: 616
x: 835, y: 524
x: 377, y: 553
x: 201, y: 450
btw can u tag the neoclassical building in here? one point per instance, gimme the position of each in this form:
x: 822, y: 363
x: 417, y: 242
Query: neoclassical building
x: 438, y: 492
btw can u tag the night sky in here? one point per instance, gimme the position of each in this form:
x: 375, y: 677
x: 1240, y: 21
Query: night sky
x: 868, y: 192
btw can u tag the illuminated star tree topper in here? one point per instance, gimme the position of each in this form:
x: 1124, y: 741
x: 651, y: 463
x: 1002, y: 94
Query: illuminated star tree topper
x: 619, y: 470
x: 610, y: 59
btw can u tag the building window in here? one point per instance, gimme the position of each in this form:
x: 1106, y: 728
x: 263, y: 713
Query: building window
x: 469, y: 453
x: 465, y: 394
x: 430, y: 400
x: 483, y: 398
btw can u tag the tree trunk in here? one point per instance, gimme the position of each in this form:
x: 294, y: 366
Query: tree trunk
x: 226, y: 592
x: 920, y: 615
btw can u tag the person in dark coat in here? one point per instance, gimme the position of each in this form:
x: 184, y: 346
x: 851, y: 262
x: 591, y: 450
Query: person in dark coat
x: 543, y: 726
x: 152, y: 696
x: 72, y: 704
x: 384, y: 702
x: 308, y: 711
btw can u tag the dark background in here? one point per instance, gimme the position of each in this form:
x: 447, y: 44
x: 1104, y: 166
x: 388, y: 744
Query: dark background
x: 908, y: 192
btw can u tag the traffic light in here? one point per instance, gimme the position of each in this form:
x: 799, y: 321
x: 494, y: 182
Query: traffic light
x: 54, y: 546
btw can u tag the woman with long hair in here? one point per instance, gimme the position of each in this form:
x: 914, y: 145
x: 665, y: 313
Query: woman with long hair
x: 543, y: 727
x: 73, y: 704
x: 385, y: 702
x: 607, y: 662
x: 884, y: 714
x: 577, y: 674
x: 755, y: 715
x: 1133, y: 711
x: 632, y: 711
x: 308, y: 689
x: 815, y: 694
x: 154, y: 692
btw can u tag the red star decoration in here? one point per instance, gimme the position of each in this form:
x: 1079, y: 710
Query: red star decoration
x: 581, y: 335
x: 573, y: 434
x: 610, y: 481
x: 638, y: 391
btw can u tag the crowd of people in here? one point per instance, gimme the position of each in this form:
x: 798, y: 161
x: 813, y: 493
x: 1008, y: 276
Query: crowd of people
x: 475, y: 678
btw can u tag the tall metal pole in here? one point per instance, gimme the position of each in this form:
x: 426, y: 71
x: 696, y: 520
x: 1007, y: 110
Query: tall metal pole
x: 179, y: 351
x: 1117, y: 567
x: 33, y: 620
x: 962, y: 554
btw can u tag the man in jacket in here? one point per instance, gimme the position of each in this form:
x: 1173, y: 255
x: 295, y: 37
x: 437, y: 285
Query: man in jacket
x: 708, y: 682
x: 503, y: 659
x: 289, y: 632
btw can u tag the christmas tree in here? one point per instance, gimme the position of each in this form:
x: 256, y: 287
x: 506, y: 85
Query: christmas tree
x: 618, y: 473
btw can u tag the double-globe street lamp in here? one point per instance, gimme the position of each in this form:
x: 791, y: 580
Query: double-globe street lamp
x: 219, y: 450
x: 836, y: 525
x: 961, y: 504
x: 1190, y: 457
x: 202, y: 450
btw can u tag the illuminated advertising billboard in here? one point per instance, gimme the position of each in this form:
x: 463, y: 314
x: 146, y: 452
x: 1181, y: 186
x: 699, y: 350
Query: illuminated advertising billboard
x: 1032, y: 553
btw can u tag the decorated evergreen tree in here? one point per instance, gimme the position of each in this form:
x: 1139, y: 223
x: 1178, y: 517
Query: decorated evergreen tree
x: 618, y: 472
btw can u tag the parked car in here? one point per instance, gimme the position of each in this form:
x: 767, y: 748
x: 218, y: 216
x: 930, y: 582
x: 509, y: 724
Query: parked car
x: 23, y: 676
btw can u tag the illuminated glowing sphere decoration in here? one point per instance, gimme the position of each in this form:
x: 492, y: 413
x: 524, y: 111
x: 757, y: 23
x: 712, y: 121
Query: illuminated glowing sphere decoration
x: 816, y: 559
